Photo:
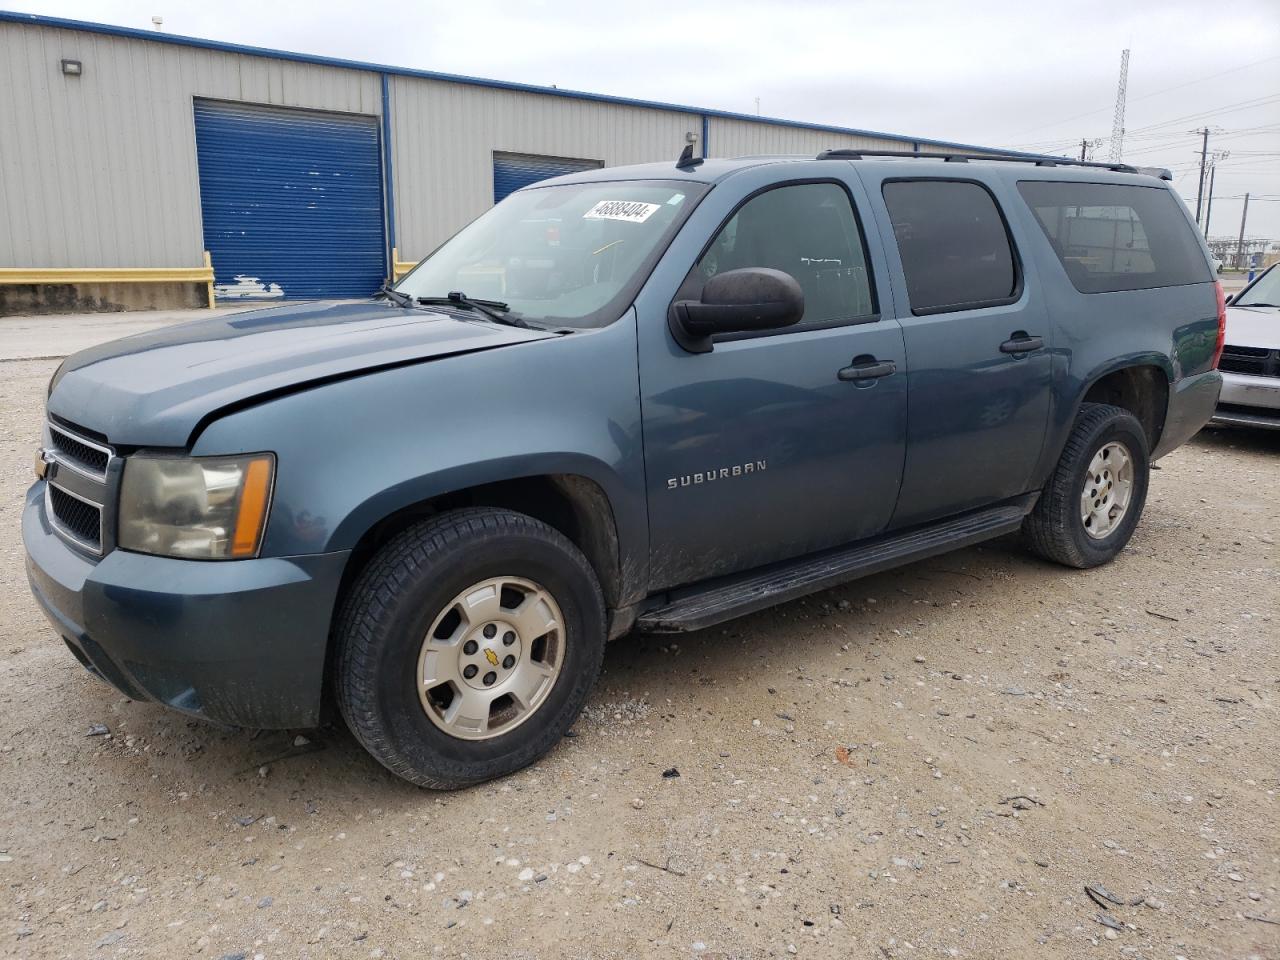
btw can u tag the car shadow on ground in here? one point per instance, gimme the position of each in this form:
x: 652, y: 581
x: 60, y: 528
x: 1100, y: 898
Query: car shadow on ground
x: 280, y: 770
x: 1244, y: 439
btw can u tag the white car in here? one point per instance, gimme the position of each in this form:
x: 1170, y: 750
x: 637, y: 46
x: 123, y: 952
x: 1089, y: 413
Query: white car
x: 1250, y: 362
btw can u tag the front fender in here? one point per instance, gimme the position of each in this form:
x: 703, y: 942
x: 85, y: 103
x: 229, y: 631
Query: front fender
x: 416, y: 489
x: 353, y: 452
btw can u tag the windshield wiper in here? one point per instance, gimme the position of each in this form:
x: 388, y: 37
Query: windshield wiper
x: 495, y: 310
x: 395, y: 296
x: 1255, y: 304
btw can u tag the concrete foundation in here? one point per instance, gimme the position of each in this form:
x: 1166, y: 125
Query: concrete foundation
x: 25, y: 299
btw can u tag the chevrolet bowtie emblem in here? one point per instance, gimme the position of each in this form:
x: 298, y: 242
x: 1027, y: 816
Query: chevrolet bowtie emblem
x: 45, y: 465
x: 491, y: 657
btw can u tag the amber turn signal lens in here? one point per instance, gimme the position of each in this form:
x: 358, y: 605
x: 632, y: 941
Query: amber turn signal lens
x: 253, y: 507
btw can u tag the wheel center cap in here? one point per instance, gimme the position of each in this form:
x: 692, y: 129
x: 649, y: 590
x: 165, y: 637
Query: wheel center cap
x: 489, y: 654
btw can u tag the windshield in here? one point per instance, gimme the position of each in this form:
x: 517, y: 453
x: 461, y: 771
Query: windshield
x: 572, y: 255
x: 1265, y: 291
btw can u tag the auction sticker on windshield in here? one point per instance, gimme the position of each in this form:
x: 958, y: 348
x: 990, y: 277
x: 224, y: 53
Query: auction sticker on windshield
x: 632, y: 211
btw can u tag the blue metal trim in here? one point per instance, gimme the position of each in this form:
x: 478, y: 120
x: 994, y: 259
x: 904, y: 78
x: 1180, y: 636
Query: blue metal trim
x: 706, y: 126
x: 37, y: 20
x: 388, y: 178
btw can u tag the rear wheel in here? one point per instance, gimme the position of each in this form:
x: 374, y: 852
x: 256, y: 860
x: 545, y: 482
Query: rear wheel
x: 1094, y: 499
x: 468, y: 646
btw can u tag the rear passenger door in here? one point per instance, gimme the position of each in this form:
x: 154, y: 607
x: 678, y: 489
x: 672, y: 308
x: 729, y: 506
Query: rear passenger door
x: 977, y: 342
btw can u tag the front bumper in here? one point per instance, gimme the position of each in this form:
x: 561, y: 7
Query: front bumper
x: 1191, y: 403
x: 1249, y: 401
x: 240, y: 642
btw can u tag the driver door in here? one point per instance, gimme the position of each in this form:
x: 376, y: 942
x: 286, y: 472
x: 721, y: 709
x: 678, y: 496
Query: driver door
x: 763, y: 449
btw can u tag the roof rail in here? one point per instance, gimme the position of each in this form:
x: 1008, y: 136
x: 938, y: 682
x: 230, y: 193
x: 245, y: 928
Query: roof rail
x: 1001, y: 157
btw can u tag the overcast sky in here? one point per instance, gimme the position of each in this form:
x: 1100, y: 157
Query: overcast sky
x: 1020, y: 74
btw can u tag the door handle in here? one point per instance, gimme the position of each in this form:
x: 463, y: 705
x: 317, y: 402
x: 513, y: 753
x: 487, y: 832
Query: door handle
x: 1021, y: 342
x: 867, y: 368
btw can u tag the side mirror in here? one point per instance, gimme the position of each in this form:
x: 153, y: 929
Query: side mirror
x: 736, y: 301
x: 1229, y: 298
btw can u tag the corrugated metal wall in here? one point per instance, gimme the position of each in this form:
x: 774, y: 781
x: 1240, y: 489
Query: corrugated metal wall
x: 742, y: 138
x: 444, y: 136
x: 100, y: 170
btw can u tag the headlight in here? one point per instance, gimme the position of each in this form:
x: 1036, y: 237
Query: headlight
x: 199, y: 508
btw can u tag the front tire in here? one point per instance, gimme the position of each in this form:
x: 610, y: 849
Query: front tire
x: 467, y: 646
x: 1092, y: 502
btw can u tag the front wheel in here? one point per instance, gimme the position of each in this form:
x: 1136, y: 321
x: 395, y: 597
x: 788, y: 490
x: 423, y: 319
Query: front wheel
x: 1092, y: 502
x: 468, y: 645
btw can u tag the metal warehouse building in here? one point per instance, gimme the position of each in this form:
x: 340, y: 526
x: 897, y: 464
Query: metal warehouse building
x: 144, y: 169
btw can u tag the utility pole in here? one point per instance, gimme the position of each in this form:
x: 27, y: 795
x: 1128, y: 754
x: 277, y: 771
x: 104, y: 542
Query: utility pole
x: 1087, y: 145
x: 1213, y: 169
x: 1208, y: 207
x: 1240, y: 243
x: 1117, y: 123
x: 1204, y: 156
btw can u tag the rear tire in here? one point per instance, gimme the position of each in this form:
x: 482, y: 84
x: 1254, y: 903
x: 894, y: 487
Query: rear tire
x: 420, y: 621
x: 1094, y: 499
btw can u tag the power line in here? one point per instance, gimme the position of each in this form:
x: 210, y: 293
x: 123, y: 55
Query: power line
x: 1154, y: 93
x: 1154, y: 129
x: 1214, y: 111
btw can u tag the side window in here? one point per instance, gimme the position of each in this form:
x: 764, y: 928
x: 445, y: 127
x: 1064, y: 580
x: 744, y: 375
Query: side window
x: 954, y: 245
x: 807, y: 230
x: 1113, y: 237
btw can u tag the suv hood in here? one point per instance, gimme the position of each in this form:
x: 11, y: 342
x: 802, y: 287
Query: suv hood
x: 155, y: 389
x: 1254, y: 327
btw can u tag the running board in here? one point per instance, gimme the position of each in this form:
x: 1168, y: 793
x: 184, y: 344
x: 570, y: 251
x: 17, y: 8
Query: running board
x: 728, y: 597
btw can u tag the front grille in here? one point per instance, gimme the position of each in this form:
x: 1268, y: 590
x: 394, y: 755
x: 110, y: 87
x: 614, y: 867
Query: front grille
x: 81, y: 519
x: 77, y: 452
x: 79, y: 464
x: 1254, y: 361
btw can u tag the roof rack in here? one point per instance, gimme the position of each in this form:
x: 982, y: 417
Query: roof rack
x: 1001, y: 157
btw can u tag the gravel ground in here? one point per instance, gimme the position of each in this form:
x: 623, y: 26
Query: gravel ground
x: 928, y: 763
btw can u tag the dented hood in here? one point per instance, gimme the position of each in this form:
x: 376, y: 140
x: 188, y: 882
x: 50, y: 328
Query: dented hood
x: 156, y: 388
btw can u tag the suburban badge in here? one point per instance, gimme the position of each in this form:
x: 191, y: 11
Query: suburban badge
x: 717, y: 473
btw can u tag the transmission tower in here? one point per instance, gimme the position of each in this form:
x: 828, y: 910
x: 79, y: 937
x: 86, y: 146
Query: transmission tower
x: 1117, y: 125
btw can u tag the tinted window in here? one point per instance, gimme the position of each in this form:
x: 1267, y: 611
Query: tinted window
x: 807, y: 230
x: 954, y: 245
x: 1111, y: 237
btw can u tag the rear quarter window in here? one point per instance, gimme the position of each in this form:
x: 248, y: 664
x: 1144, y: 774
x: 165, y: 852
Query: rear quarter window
x: 1113, y: 237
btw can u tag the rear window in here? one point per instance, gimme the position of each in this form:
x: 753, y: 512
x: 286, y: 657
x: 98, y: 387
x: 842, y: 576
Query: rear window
x: 1111, y: 237
x: 953, y: 243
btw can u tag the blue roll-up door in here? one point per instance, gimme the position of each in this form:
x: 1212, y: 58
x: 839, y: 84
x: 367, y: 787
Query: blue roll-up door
x: 291, y: 201
x: 511, y: 171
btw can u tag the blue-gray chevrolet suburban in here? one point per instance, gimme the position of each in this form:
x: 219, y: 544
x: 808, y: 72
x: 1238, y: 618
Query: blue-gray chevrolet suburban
x: 653, y: 397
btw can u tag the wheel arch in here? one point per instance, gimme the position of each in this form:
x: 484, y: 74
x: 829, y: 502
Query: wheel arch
x: 574, y: 504
x: 1139, y: 385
